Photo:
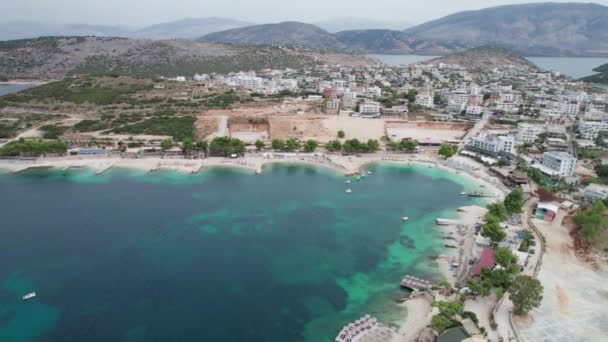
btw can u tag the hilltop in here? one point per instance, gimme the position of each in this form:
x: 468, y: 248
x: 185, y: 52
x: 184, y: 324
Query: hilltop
x: 485, y: 58
x: 541, y: 29
x: 56, y: 57
x: 285, y: 33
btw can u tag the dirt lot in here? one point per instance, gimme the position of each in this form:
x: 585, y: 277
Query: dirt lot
x: 206, y: 125
x: 575, y: 305
x: 424, y: 130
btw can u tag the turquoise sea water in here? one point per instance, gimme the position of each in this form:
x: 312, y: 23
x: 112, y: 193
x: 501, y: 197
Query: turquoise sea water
x: 218, y: 256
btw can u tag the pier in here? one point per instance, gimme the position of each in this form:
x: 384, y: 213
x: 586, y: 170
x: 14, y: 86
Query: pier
x: 414, y: 283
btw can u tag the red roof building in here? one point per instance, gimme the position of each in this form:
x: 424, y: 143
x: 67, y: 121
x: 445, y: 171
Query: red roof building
x: 486, y: 261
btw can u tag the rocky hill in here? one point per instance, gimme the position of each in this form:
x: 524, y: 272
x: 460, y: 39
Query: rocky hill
x: 601, y: 77
x: 485, y: 58
x: 389, y: 42
x: 55, y: 57
x: 286, y: 33
x: 542, y: 29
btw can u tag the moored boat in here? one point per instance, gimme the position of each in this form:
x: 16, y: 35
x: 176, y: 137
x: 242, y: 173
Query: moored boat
x: 29, y: 296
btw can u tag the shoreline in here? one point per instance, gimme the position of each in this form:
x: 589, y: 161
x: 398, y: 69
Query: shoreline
x: 342, y: 165
x: 418, y: 309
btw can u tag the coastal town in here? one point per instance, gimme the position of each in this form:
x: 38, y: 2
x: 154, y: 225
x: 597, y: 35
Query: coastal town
x: 527, y: 265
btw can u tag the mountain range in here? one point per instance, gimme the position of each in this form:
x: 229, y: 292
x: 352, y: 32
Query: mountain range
x: 540, y: 29
x: 188, y: 28
x: 543, y: 29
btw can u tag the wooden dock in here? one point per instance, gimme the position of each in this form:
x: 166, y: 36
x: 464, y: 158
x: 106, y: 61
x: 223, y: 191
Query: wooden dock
x: 414, y: 283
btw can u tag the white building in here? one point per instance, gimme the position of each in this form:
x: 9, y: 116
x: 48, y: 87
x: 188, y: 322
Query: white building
x: 492, y: 144
x: 333, y: 105
x: 424, y: 100
x: 557, y: 163
x: 594, y: 192
x: 570, y: 108
x: 249, y: 82
x: 369, y: 107
x: 590, y: 129
x: 528, y: 133
x: 474, y: 110
x: 374, y: 91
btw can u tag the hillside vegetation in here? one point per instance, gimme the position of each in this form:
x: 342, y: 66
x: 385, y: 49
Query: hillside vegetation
x: 56, y: 57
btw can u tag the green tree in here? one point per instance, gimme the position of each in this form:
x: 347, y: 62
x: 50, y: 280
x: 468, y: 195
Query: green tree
x: 310, y: 145
x: 259, y: 145
x: 373, y: 145
x: 514, y: 201
x: 447, y: 310
x: 167, y: 144
x: 446, y: 150
x: 292, y: 145
x: 411, y: 95
x: 602, y: 170
x: 526, y: 293
x: 278, y: 145
x: 441, y: 323
x: 492, y: 231
x: 225, y: 146
x: 334, y: 146
x: 497, y: 210
x: 341, y: 134
x: 591, y: 222
x: 504, y: 257
x: 409, y: 145
x: 187, y: 145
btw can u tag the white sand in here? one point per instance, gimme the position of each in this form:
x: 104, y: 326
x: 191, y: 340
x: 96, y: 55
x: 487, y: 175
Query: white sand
x: 418, y: 316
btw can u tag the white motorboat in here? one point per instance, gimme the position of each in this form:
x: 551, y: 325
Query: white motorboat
x: 29, y: 296
x: 405, y: 218
x: 348, y: 191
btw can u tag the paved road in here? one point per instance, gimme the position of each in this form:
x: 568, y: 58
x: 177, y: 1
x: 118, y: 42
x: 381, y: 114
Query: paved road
x: 222, y: 126
x: 476, y: 128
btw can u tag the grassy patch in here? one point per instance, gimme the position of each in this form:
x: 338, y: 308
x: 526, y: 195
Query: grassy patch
x: 176, y: 127
x: 77, y: 91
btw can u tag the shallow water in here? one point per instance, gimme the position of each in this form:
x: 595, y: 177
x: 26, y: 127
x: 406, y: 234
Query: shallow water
x: 219, y: 256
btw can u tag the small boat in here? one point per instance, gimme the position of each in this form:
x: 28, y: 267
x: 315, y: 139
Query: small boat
x: 369, y: 172
x: 405, y: 218
x: 463, y: 193
x: 347, y: 181
x: 29, y: 296
x: 348, y: 191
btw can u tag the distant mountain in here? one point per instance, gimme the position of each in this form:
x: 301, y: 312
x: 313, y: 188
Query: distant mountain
x: 600, y: 77
x: 338, y: 24
x: 485, y: 58
x: 389, y: 42
x: 285, y: 33
x: 541, y: 29
x: 189, y: 28
x: 25, y: 29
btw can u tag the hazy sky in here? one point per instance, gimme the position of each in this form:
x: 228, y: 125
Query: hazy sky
x: 144, y: 12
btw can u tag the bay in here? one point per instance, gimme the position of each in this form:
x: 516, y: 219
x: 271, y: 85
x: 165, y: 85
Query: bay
x: 218, y: 256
